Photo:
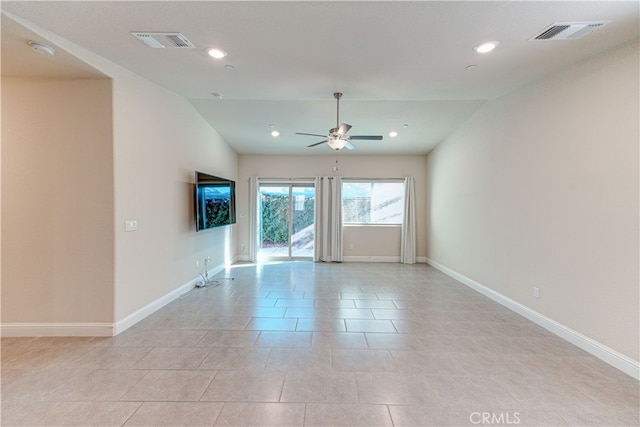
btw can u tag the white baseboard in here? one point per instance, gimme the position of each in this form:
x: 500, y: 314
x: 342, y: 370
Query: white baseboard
x: 395, y: 259
x: 617, y: 360
x: 419, y: 260
x: 65, y: 329
x: 135, y: 317
x: 97, y: 329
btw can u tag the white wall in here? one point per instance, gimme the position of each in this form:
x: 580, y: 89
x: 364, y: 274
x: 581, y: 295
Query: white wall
x: 540, y: 188
x: 57, y: 200
x: 375, y: 242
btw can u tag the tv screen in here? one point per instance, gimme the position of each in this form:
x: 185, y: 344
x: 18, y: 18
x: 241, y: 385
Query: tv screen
x: 215, y: 201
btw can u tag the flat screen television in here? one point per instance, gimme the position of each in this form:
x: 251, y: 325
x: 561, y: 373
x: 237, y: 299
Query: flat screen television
x: 215, y: 199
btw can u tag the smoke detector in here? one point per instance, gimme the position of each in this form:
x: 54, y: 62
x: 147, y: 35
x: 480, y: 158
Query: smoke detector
x: 162, y: 40
x: 41, y: 48
x: 568, y: 30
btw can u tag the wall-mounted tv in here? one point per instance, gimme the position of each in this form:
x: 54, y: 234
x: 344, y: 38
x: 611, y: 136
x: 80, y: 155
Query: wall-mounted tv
x: 215, y: 201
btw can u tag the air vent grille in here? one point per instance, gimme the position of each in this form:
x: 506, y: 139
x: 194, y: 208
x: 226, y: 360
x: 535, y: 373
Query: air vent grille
x: 568, y: 30
x: 163, y: 40
x: 551, y: 32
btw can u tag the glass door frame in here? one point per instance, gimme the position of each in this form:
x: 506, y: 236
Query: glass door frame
x: 290, y: 185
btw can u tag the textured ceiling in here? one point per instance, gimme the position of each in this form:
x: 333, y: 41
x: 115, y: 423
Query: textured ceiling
x: 396, y: 62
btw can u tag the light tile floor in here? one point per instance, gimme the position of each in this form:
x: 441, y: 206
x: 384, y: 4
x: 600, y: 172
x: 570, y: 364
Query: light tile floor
x: 317, y: 344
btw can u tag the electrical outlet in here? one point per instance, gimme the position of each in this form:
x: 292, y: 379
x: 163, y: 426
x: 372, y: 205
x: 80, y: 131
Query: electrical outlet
x: 536, y: 292
x: 208, y: 259
x: 197, y: 263
x: 242, y: 247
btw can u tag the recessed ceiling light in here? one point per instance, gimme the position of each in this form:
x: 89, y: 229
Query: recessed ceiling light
x: 41, y: 48
x: 275, y: 133
x: 470, y: 67
x: 486, y: 47
x: 217, y: 95
x: 217, y: 53
x: 229, y: 67
x: 393, y: 134
x: 406, y: 125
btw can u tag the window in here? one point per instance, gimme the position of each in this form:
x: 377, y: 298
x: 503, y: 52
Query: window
x: 372, y: 202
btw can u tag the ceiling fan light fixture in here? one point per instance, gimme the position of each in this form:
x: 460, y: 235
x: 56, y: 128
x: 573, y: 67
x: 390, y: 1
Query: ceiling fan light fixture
x: 337, y: 144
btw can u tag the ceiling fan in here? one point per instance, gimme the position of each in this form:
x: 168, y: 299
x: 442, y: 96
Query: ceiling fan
x: 338, y: 138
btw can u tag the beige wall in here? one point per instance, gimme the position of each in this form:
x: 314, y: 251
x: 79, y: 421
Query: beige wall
x: 57, y: 201
x: 159, y: 143
x: 149, y: 143
x: 540, y: 188
x: 375, y: 242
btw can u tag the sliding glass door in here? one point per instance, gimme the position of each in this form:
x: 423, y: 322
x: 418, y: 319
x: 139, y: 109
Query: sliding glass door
x: 303, y: 202
x: 286, y: 215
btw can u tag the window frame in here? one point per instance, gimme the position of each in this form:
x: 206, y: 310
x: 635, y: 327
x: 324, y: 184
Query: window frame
x: 373, y: 181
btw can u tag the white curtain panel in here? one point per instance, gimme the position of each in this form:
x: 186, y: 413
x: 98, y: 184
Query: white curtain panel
x: 328, y: 222
x: 325, y: 222
x: 253, y: 219
x: 317, y: 226
x: 408, y: 239
x: 336, y: 219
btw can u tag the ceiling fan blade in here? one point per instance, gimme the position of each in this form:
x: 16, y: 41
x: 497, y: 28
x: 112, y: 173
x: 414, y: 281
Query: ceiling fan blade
x: 370, y: 137
x: 343, y: 129
x: 350, y: 146
x: 317, y: 143
x: 311, y: 134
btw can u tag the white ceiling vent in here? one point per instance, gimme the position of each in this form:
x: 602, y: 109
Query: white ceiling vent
x: 568, y: 30
x: 162, y: 40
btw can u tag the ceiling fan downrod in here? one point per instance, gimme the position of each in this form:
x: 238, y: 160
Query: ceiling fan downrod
x: 337, y: 96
